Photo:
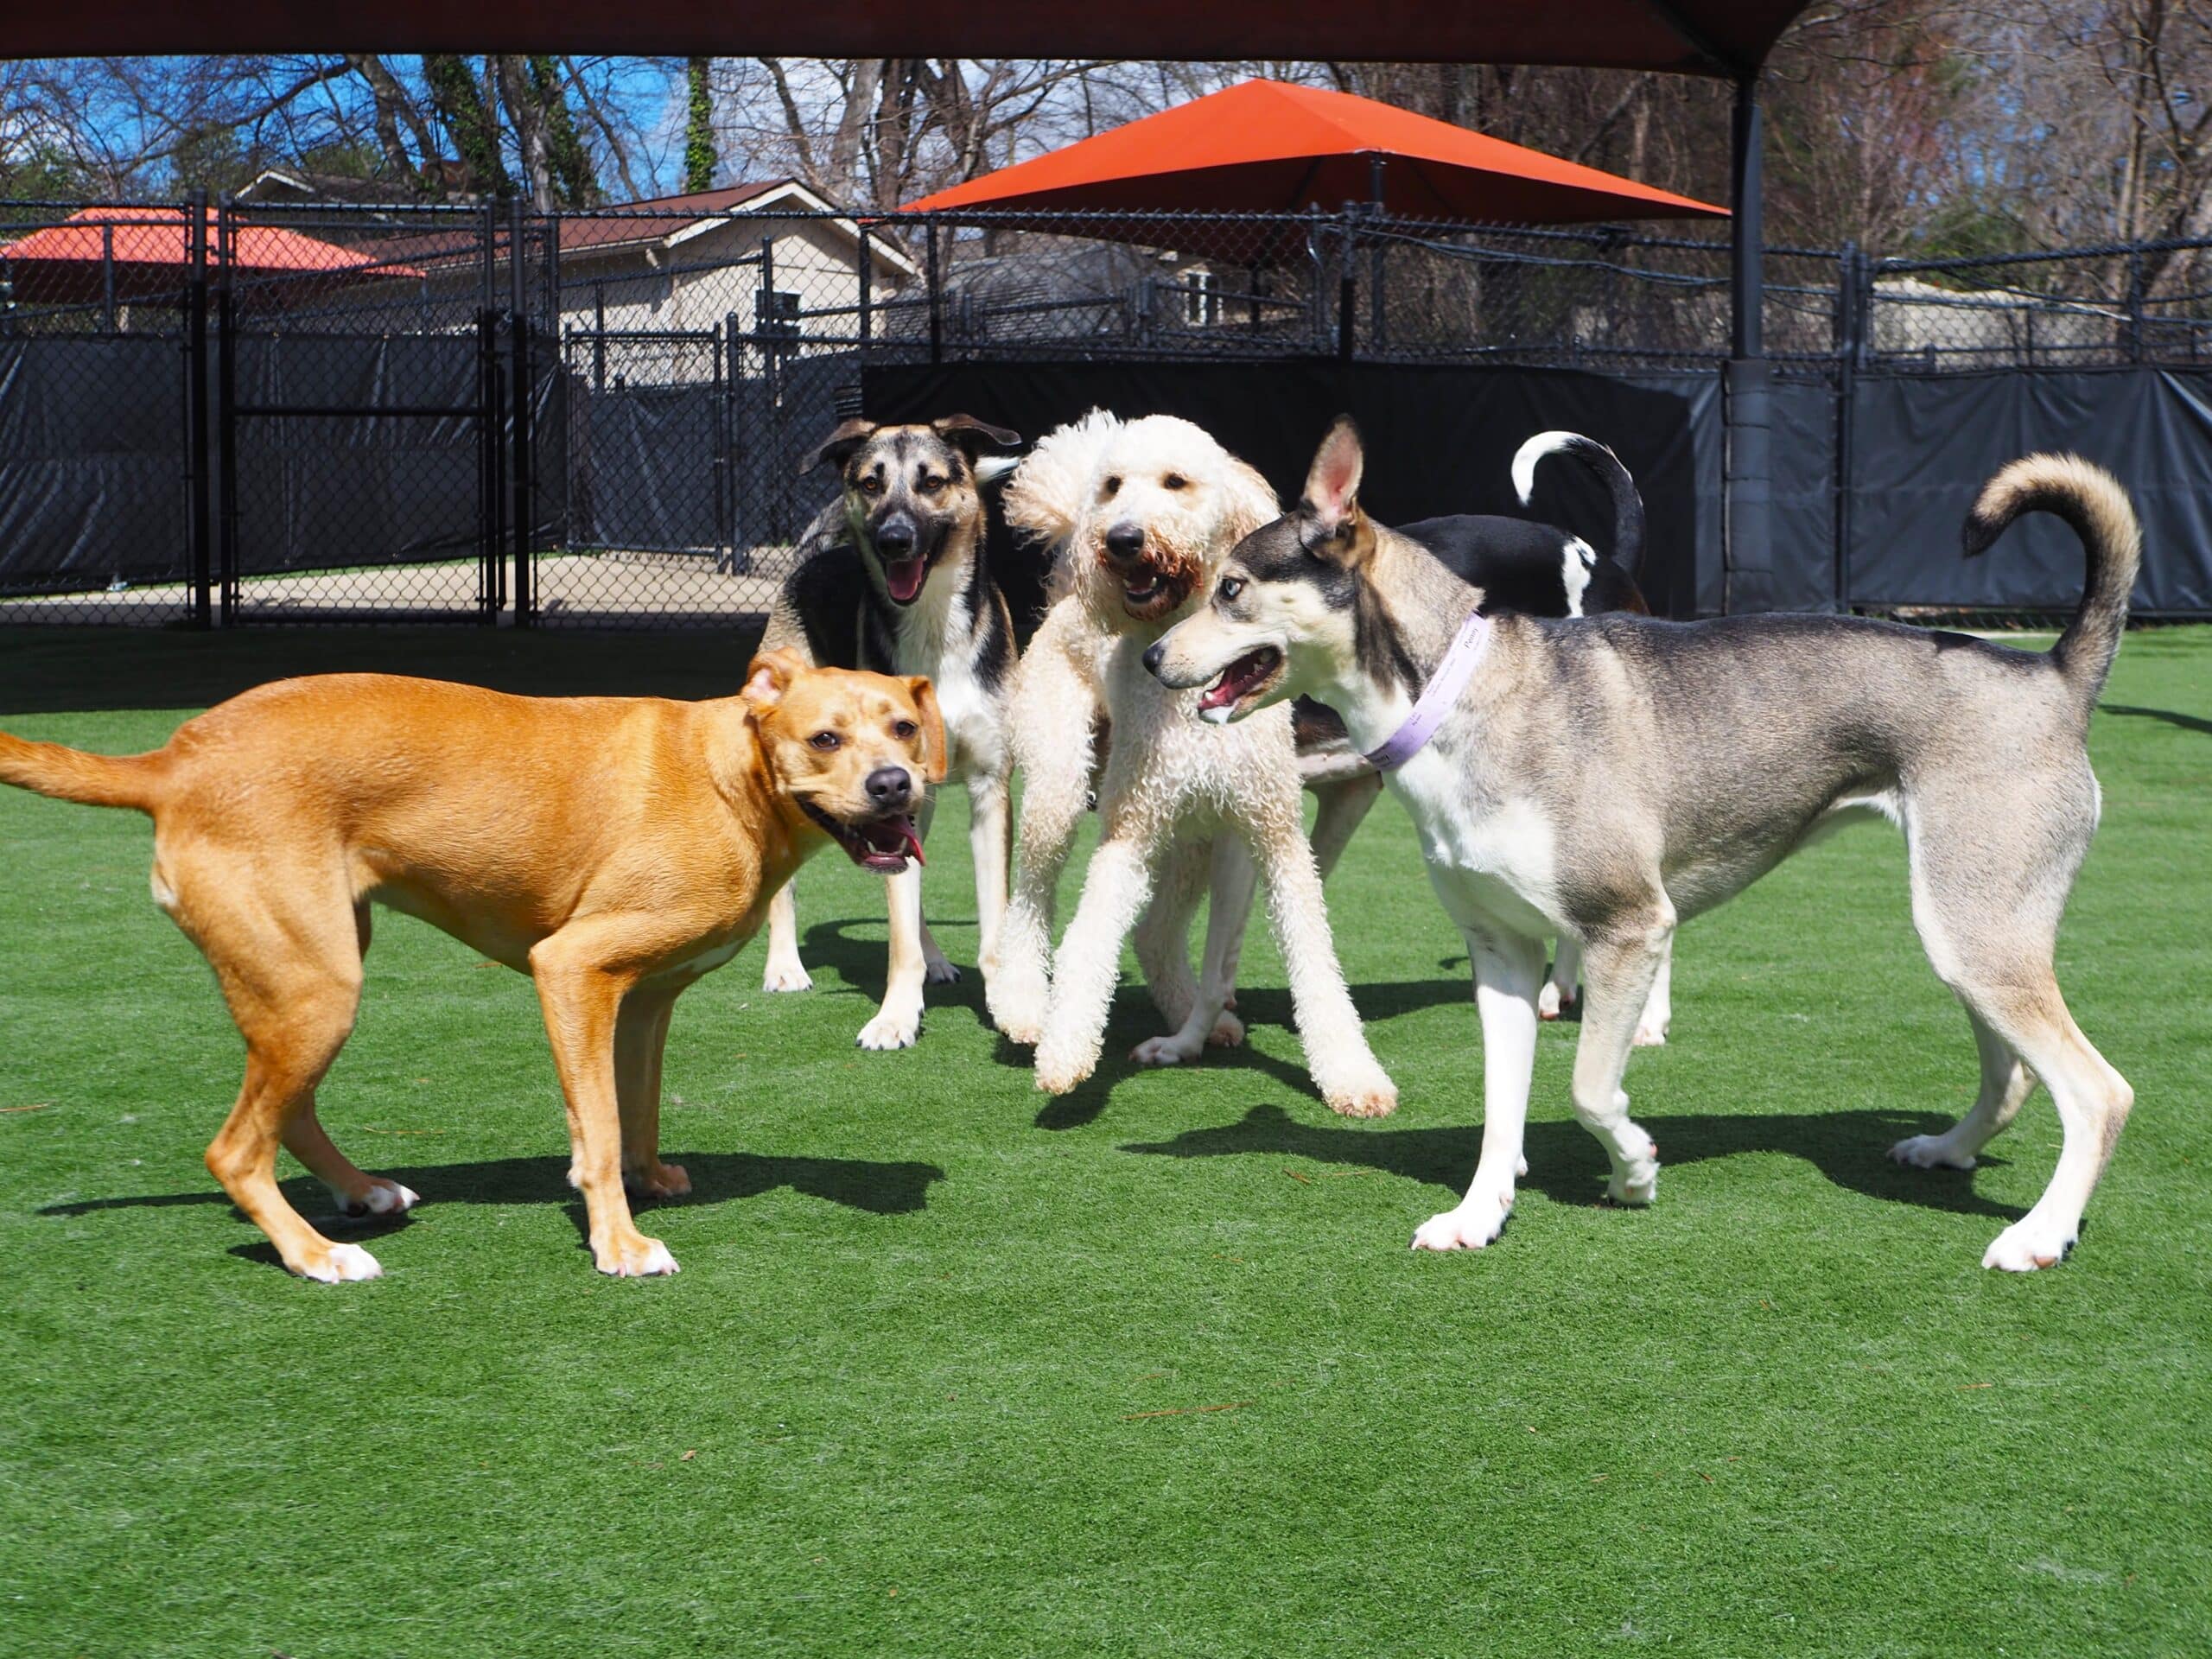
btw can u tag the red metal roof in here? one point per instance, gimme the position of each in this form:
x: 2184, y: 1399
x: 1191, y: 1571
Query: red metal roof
x: 157, y: 236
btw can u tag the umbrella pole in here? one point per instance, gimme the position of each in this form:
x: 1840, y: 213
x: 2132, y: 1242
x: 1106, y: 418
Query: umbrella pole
x: 1748, y: 528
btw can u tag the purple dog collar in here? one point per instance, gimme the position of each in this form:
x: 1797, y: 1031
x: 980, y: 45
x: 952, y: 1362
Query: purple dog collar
x: 1438, y: 696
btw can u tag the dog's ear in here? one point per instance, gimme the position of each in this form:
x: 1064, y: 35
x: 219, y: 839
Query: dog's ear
x: 1331, y: 498
x: 1252, y: 504
x: 969, y: 434
x: 1047, y: 492
x: 838, y: 447
x: 769, y: 677
x: 936, y: 758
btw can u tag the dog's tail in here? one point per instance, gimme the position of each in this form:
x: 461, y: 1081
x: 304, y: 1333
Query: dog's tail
x: 132, y: 780
x: 1602, y: 465
x: 2091, y: 500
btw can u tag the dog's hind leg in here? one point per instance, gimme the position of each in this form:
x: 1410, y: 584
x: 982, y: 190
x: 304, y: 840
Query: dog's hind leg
x: 1659, y: 1006
x: 784, y: 971
x: 2005, y: 1086
x: 640, y: 1038
x: 1564, y: 985
x: 1161, y: 939
x: 1205, y: 1019
x: 286, y: 953
x: 1618, y: 967
x: 1229, y: 911
x: 989, y: 832
x: 937, y: 968
x: 1340, y: 808
x: 1507, y: 969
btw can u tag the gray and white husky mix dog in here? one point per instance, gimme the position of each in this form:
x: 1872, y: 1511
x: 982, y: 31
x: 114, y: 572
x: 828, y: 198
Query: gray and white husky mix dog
x: 892, y: 577
x: 1705, y: 753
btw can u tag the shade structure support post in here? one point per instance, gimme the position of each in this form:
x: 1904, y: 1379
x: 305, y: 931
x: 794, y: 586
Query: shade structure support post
x: 1747, y: 556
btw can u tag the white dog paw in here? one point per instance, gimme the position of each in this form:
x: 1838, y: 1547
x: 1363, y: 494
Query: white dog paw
x: 641, y: 1258
x: 2028, y: 1245
x: 1930, y: 1152
x: 1228, y: 1032
x: 1637, y: 1184
x: 383, y: 1198
x: 786, y: 976
x: 1649, y: 1035
x: 1474, y: 1225
x: 1059, y: 1073
x: 1549, y: 1001
x: 1018, y: 1011
x: 1362, y: 1095
x: 1160, y: 1050
x: 893, y: 1028
x: 343, y: 1264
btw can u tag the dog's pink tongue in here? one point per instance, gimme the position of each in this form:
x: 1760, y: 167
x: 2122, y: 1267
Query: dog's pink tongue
x: 905, y: 577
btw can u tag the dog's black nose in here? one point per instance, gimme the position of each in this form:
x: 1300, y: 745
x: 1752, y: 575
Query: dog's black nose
x: 891, y: 788
x: 1151, y: 658
x: 894, y: 538
x: 1125, y: 541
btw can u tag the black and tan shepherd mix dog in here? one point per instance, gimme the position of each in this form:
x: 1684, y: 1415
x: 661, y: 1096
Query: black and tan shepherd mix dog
x: 892, y: 577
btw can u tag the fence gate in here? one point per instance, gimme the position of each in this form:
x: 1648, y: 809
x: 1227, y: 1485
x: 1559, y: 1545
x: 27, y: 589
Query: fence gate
x: 359, y: 394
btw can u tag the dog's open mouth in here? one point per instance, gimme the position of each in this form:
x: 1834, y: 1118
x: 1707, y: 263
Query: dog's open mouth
x: 1240, y: 683
x: 904, y: 578
x: 880, y: 844
x: 1148, y: 595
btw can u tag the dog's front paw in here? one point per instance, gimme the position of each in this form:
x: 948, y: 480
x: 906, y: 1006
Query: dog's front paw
x: 1930, y: 1152
x: 1228, y: 1032
x: 1650, y: 1034
x: 338, y: 1264
x: 383, y: 1198
x: 636, y: 1257
x: 1019, y: 1011
x: 892, y: 1028
x: 1058, y: 1073
x: 1637, y: 1184
x: 786, y: 976
x: 2029, y: 1245
x: 1551, y: 1000
x: 657, y: 1181
x: 1368, y: 1094
x: 1475, y: 1225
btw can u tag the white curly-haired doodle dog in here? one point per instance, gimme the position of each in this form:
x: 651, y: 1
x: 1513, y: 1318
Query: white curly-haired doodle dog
x: 1141, y: 512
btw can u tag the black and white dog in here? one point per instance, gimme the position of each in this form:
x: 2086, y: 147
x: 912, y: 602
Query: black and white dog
x: 1703, y: 754
x: 892, y: 577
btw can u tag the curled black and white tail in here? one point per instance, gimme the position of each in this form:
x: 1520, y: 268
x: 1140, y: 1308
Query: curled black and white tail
x: 2091, y: 500
x: 1603, y: 465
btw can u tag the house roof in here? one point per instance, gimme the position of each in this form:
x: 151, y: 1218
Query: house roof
x: 669, y: 221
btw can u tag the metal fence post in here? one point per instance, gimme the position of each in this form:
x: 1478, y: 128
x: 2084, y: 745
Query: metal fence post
x: 1347, y: 290
x: 1850, y: 347
x: 524, y: 479
x: 2135, y: 305
x: 936, y: 297
x: 867, y: 285
x: 195, y: 347
x: 227, y: 412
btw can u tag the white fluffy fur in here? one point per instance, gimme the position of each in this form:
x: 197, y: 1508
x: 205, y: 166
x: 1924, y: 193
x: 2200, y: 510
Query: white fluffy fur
x: 1170, y: 781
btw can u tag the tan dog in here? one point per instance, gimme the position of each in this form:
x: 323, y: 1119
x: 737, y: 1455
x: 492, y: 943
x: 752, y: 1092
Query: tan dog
x: 613, y: 848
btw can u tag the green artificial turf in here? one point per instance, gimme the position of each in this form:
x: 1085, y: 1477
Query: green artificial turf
x: 953, y: 1369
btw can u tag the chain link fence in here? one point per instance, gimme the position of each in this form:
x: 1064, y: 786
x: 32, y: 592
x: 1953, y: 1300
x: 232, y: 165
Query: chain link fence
x: 241, y: 412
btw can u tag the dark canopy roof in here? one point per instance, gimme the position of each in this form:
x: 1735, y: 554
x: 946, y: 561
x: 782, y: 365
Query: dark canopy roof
x: 1710, y: 37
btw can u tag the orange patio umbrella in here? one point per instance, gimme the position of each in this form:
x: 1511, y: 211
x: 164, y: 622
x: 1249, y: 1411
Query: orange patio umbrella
x: 1265, y: 147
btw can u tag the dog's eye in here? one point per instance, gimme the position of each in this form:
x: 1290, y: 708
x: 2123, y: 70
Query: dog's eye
x: 825, y: 741
x: 904, y: 730
x: 1231, y: 586
x: 930, y: 486
x: 871, y: 485
x: 1112, y: 486
x: 1173, y: 481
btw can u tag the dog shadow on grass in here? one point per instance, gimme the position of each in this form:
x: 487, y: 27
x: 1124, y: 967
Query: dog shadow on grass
x: 880, y: 1189
x: 1851, y: 1149
x: 862, y: 963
